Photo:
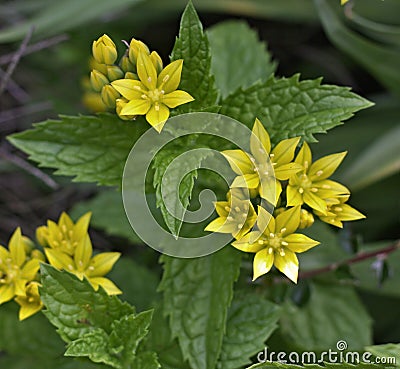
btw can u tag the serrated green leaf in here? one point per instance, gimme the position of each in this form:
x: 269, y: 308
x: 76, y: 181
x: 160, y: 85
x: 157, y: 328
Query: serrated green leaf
x: 33, y: 337
x: 289, y: 107
x: 146, y: 360
x: 174, y: 185
x: 192, y: 46
x: 251, y: 320
x: 333, y: 313
x: 197, y: 294
x: 90, y: 148
x: 117, y: 349
x: 74, y: 307
x: 238, y: 61
x: 389, y: 351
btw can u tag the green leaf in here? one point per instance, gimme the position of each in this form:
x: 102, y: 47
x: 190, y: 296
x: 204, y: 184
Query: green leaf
x: 381, y: 61
x: 118, y: 348
x: 192, y: 46
x: 251, y: 320
x: 333, y: 313
x: 390, y: 350
x: 378, y: 161
x: 174, y: 184
x: 197, y: 294
x: 33, y: 337
x: 74, y: 307
x: 289, y: 107
x: 91, y: 148
x: 238, y: 61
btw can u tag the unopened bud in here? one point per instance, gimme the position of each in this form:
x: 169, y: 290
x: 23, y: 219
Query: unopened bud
x: 109, y: 94
x: 37, y: 254
x: 134, y: 48
x: 157, y: 61
x: 104, y: 50
x: 28, y: 244
x: 114, y: 72
x: 130, y: 75
x: 98, y: 80
x: 126, y: 64
x: 278, y: 211
x: 306, y: 219
x: 41, y: 235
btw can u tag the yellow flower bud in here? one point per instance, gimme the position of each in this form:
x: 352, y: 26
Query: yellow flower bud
x: 98, y: 80
x: 104, y: 50
x: 109, y: 94
x: 134, y: 48
x: 28, y: 244
x: 306, y: 219
x: 120, y: 103
x: 126, y: 65
x: 41, y: 235
x: 130, y: 75
x: 157, y: 61
x: 114, y: 72
x: 278, y: 211
x: 37, y: 254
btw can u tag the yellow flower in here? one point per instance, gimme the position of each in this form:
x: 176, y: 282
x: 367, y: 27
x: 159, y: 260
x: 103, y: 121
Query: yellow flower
x: 30, y: 303
x: 64, y: 235
x: 15, y: 268
x: 83, y: 265
x: 263, y: 168
x: 275, y: 243
x: 311, y: 186
x: 338, y: 211
x: 342, y: 2
x: 155, y: 93
x: 236, y: 216
x: 306, y: 219
x: 104, y: 50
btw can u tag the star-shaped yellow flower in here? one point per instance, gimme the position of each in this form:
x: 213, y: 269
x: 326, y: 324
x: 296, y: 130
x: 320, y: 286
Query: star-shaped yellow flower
x: 16, y: 270
x: 155, y: 93
x: 236, y: 216
x: 275, y: 243
x: 263, y: 168
x: 83, y: 265
x: 338, y: 211
x: 30, y: 303
x: 311, y: 186
x: 64, y: 235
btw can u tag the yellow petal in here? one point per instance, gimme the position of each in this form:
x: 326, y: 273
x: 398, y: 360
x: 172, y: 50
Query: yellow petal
x: 262, y: 263
x: 83, y: 254
x: 270, y: 189
x: 330, y: 189
x: 260, y: 144
x: 175, y: 98
x: 17, y: 249
x: 170, y: 76
x: 20, y: 287
x: 82, y: 225
x: 221, y: 225
x: 136, y: 107
x: 101, y: 264
x: 285, y: 171
x: 129, y: 88
x: 27, y: 309
x: 245, y: 243
x: 315, y: 202
x: 65, y: 220
x: 333, y: 220
x: 300, y: 242
x: 157, y: 116
x: 326, y: 166
x: 146, y: 71
x: 287, y: 264
x: 59, y: 259
x: 30, y: 269
x: 263, y: 219
x: 304, y: 156
x: 108, y: 286
x: 246, y: 181
x: 7, y: 292
x: 349, y: 213
x: 135, y: 47
x: 4, y: 254
x: 222, y: 208
x: 239, y: 161
x: 288, y: 221
x: 283, y: 152
x: 248, y: 224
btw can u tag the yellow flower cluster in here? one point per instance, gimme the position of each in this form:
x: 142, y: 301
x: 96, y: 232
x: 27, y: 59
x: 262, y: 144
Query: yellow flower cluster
x: 276, y: 176
x: 67, y: 246
x: 137, y: 85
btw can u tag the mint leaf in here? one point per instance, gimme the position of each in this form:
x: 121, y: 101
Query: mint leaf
x: 251, y: 320
x: 388, y: 351
x: 90, y: 148
x: 117, y: 349
x: 174, y: 184
x: 289, y: 107
x: 238, y: 61
x: 197, y: 294
x: 192, y: 46
x: 333, y: 313
x: 74, y: 307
